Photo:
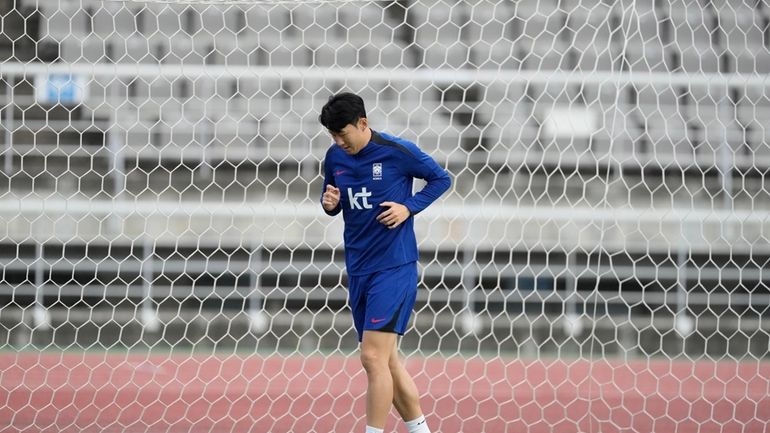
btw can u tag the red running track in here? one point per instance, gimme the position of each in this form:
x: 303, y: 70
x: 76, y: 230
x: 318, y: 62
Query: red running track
x: 52, y: 392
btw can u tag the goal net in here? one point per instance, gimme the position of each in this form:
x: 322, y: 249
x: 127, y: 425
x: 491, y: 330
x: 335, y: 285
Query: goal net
x: 597, y: 266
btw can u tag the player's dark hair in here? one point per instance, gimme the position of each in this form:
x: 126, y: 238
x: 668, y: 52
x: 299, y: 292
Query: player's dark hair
x: 341, y: 110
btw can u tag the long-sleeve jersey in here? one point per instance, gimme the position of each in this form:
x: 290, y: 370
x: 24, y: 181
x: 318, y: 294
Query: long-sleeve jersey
x: 381, y: 171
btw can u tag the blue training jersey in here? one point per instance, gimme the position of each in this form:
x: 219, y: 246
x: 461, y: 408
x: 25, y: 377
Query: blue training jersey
x: 381, y: 171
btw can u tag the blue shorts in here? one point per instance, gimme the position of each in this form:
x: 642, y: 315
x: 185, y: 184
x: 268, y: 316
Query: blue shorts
x: 383, y: 301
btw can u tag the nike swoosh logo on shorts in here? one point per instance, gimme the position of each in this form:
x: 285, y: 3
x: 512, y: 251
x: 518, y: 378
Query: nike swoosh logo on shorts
x: 377, y: 320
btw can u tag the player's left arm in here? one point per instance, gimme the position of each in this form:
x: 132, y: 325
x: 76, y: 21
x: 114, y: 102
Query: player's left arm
x: 420, y: 165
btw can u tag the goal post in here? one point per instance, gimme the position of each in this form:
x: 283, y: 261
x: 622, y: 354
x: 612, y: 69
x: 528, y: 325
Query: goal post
x: 597, y: 265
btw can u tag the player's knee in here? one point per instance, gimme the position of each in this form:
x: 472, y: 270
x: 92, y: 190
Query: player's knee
x: 373, y: 360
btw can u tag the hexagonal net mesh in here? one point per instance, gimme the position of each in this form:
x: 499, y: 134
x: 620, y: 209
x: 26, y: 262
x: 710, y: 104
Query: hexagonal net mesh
x: 597, y: 265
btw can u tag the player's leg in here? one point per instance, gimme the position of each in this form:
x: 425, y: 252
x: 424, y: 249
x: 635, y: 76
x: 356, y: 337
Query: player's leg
x: 405, y: 396
x: 376, y: 349
x: 390, y: 297
x: 358, y: 298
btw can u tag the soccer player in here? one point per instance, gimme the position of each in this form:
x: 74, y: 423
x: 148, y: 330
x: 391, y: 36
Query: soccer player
x: 368, y: 177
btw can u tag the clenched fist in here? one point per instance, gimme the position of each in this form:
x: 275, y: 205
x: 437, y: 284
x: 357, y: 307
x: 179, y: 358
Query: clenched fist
x: 331, y: 198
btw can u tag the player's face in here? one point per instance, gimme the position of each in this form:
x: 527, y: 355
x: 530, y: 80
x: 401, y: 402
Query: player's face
x: 353, y: 138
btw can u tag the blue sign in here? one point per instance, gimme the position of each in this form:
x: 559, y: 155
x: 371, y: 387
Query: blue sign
x: 62, y: 89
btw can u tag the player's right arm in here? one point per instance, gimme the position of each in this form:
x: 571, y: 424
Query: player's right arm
x: 330, y: 195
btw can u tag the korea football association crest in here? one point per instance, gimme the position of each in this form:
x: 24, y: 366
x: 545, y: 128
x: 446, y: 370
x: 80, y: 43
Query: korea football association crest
x: 377, y: 171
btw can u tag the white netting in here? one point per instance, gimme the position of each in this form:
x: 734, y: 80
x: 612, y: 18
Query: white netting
x: 597, y: 266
